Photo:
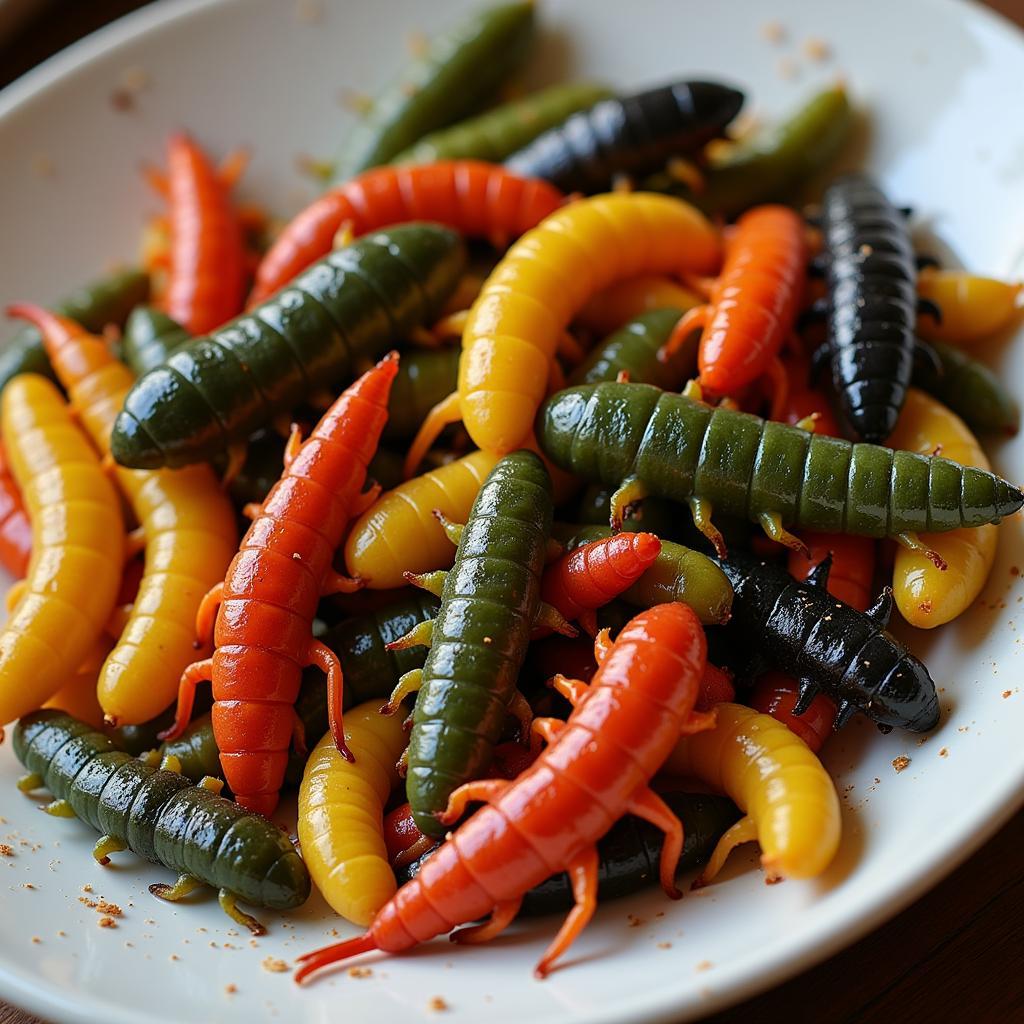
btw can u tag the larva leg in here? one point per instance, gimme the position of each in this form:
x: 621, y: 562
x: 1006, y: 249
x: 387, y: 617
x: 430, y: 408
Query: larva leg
x: 105, y: 846
x: 232, y: 167
x: 29, y: 782
x: 548, y: 729
x: 519, y: 708
x: 479, y: 791
x: 771, y: 523
x: 292, y: 445
x: 60, y: 809
x: 252, y: 510
x: 588, y: 621
x: 237, y: 452
x: 573, y: 690
x: 408, y: 684
x: 699, y: 721
x: 229, y: 904
x: 912, y: 542
x: 134, y: 543
x: 344, y: 236
x: 779, y: 381
x: 694, y: 320
x: 808, y: 422
x: 925, y: 307
x: 211, y: 784
x: 15, y: 594
x: 326, y: 660
x: 602, y: 645
x: 431, y: 582
x: 171, y: 763
x: 198, y: 672
x: 648, y: 805
x: 687, y: 173
x: 402, y: 764
x: 629, y: 493
x: 184, y: 885
x: 414, y: 852
x: 452, y: 325
x: 702, y: 510
x: 445, y: 413
x: 583, y: 874
x: 339, y: 583
x: 419, y: 636
x: 502, y: 916
x: 157, y: 181
x: 693, y: 390
x: 366, y: 499
x: 744, y: 831
x: 549, y: 617
x: 453, y: 531
x: 206, y: 615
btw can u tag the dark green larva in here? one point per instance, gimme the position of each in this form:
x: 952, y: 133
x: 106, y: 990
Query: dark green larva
x: 628, y: 855
x: 488, y: 604
x: 498, y: 133
x: 160, y: 815
x: 773, y: 164
x: 678, y: 574
x: 741, y: 465
x: 107, y: 301
x: 459, y: 69
x: 349, y: 306
x: 633, y: 349
x: 370, y: 670
x: 150, y: 336
x: 972, y: 391
x: 425, y: 376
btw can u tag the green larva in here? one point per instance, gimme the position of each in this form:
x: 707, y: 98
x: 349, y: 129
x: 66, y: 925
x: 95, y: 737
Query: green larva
x: 160, y: 816
x: 350, y: 306
x: 647, y: 441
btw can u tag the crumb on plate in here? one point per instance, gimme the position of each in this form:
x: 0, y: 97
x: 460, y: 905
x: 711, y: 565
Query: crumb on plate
x: 274, y: 965
x: 901, y: 762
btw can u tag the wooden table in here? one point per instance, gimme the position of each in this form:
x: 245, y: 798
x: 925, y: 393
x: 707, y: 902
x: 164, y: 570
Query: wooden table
x: 954, y: 955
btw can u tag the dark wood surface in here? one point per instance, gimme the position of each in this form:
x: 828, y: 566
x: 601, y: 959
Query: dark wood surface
x: 954, y: 955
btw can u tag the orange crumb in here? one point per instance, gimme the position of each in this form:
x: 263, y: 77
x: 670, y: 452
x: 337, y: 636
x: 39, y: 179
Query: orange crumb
x: 86, y: 888
x: 107, y: 922
x: 1006, y: 694
x: 944, y: 752
x: 704, y: 965
x: 274, y: 965
x: 231, y: 989
x: 27, y: 885
x: 36, y: 941
x: 360, y: 972
x: 786, y: 68
x: 816, y: 49
x: 437, y: 1004
x: 773, y: 32
x: 634, y: 921
x: 6, y: 851
x: 103, y: 907
x: 664, y: 945
x: 901, y: 762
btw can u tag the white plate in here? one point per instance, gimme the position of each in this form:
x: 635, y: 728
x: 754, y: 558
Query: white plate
x: 942, y: 81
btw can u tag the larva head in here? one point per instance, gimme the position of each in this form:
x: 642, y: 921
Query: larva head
x: 712, y: 103
x: 906, y: 698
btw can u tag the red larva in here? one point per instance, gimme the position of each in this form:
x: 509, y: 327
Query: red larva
x: 264, y: 608
x: 479, y: 199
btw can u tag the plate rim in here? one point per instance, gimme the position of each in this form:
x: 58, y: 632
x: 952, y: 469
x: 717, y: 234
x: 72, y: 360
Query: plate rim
x: 786, y: 960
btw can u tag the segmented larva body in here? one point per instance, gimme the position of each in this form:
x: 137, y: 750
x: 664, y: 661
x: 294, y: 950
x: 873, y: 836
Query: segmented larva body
x: 872, y: 302
x: 160, y: 815
x: 265, y: 607
x: 631, y: 135
x: 474, y: 198
x: 742, y: 465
